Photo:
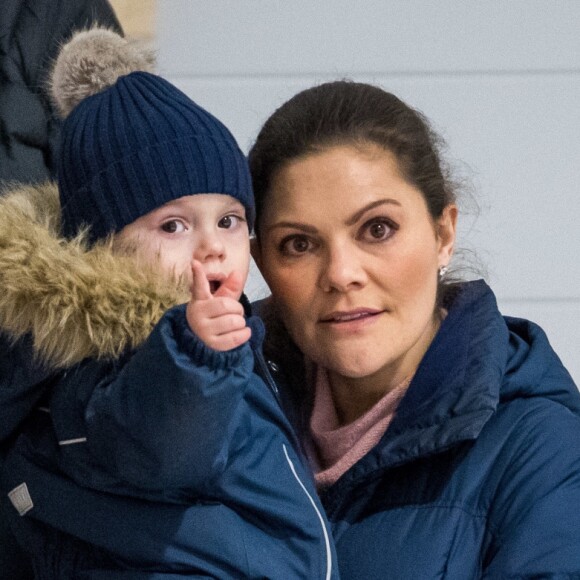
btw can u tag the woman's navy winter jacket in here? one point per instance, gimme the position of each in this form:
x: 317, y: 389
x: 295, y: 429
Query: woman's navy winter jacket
x: 169, y: 460
x: 478, y: 475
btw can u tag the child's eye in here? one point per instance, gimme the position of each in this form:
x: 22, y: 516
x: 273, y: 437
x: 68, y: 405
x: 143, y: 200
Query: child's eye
x: 229, y: 221
x: 378, y: 230
x: 295, y: 245
x: 173, y: 226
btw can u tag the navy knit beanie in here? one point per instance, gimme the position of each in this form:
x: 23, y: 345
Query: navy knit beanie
x: 139, y: 143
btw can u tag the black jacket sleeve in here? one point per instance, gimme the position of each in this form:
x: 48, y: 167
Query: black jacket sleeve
x: 31, y: 32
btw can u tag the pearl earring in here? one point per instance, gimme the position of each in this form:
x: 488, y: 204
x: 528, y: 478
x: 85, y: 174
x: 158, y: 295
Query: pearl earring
x: 442, y: 271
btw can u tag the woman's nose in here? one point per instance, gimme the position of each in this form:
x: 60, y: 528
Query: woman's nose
x: 342, y: 270
x: 210, y: 247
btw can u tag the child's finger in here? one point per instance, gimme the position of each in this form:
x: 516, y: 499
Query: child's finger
x: 232, y: 286
x: 231, y: 340
x: 218, y: 307
x: 200, y: 289
x: 227, y: 323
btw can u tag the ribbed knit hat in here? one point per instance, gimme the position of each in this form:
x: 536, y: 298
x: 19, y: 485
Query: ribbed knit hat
x: 133, y: 141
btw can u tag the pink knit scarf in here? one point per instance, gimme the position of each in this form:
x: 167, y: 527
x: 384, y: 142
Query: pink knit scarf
x: 337, y: 448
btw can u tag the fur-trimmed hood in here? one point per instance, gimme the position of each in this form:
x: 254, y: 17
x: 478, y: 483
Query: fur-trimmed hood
x: 73, y: 300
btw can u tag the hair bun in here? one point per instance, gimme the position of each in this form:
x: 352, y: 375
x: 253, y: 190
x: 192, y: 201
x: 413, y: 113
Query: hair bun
x: 91, y: 61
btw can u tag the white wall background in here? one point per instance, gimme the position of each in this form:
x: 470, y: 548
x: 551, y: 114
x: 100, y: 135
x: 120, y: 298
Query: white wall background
x: 499, y: 79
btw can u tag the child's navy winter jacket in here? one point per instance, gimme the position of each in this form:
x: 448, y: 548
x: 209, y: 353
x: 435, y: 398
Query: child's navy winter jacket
x: 138, y: 454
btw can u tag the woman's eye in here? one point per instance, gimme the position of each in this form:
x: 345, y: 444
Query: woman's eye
x: 378, y: 230
x: 295, y: 245
x: 229, y: 221
x: 173, y: 226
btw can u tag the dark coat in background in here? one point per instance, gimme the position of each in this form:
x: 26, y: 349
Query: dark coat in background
x: 478, y: 475
x: 31, y: 32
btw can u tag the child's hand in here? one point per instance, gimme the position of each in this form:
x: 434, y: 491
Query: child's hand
x: 217, y: 319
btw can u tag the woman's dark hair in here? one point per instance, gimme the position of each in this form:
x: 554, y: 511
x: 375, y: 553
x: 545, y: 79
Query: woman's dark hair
x: 350, y: 113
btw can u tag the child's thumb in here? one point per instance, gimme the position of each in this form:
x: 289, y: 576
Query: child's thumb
x: 232, y: 286
x: 200, y: 286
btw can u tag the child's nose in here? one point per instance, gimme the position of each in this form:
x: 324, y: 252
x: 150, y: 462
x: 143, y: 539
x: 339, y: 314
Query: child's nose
x: 210, y: 248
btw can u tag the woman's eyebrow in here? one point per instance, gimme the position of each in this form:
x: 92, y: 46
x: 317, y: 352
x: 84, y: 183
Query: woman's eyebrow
x: 350, y: 221
x: 295, y: 225
x: 355, y: 217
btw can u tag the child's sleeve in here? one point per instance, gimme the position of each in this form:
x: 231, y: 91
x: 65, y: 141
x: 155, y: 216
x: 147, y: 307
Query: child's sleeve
x: 162, y: 420
x: 23, y: 382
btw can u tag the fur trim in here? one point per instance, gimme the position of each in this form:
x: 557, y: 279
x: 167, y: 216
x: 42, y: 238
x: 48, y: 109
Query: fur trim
x: 91, y: 61
x: 74, y: 301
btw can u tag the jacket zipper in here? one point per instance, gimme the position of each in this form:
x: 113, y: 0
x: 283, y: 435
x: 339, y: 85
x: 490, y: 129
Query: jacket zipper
x: 272, y: 385
x: 265, y: 372
x: 318, y: 514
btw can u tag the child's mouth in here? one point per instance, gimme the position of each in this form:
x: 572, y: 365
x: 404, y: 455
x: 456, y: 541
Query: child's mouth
x: 214, y: 285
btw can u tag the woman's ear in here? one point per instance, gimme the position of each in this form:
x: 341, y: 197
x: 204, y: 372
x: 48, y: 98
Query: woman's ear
x: 446, y: 230
x: 256, y: 251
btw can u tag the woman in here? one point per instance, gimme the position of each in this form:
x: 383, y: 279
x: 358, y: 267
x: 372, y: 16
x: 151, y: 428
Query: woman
x: 445, y: 438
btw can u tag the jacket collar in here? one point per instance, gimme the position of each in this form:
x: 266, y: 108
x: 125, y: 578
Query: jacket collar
x: 456, y: 388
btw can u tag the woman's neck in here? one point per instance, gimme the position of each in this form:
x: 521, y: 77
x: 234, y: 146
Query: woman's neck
x: 353, y: 397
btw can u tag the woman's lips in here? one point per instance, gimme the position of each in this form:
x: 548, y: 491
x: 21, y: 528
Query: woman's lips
x: 347, y: 323
x: 345, y: 317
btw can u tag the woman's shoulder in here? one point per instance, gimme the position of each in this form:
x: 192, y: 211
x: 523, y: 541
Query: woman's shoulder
x: 538, y: 408
x: 535, y: 486
x: 539, y: 426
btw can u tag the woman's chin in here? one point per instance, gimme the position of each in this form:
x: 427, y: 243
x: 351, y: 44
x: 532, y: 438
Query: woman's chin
x: 352, y: 366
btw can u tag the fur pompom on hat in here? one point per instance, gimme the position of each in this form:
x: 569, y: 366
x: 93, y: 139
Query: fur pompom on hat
x: 92, y: 61
x: 131, y: 141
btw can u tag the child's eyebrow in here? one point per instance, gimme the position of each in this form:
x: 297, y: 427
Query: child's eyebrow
x: 234, y: 203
